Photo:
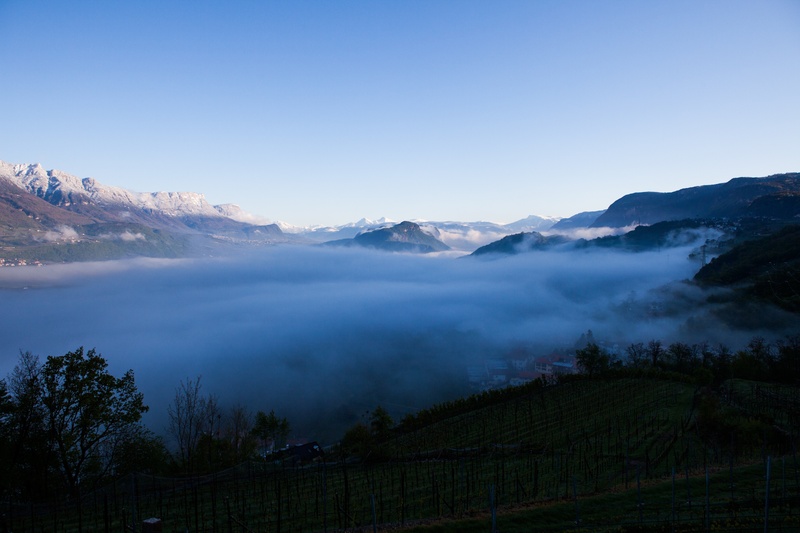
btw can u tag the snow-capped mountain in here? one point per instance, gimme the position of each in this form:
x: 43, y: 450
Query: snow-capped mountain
x: 58, y: 203
x: 50, y: 215
x: 332, y: 233
x: 65, y: 190
x: 461, y: 236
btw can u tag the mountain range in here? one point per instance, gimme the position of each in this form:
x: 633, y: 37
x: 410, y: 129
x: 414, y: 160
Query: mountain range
x: 716, y: 217
x: 462, y: 236
x: 95, y: 202
x: 777, y: 195
x: 50, y: 215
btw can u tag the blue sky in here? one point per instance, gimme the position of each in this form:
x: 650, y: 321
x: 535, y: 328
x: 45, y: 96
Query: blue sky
x: 326, y: 112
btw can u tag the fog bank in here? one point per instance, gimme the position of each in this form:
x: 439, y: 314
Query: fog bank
x: 323, y: 335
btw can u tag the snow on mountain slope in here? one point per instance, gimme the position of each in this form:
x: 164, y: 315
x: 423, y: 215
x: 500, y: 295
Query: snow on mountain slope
x: 235, y: 212
x: 109, y: 203
x: 62, y: 189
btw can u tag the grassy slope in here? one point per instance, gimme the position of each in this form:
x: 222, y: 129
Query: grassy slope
x: 598, y: 441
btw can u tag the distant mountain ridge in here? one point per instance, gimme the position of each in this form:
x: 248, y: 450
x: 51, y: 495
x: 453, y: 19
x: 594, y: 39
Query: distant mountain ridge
x: 580, y: 220
x: 687, y: 216
x: 42, y: 210
x: 735, y: 198
x: 35, y: 202
x: 50, y: 215
x: 107, y: 203
x: 403, y: 237
x: 521, y: 242
x: 463, y: 236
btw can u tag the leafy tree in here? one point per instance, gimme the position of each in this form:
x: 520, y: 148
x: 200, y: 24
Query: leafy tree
x: 756, y: 362
x: 30, y: 456
x: 592, y: 360
x: 6, y: 410
x: 270, y: 430
x: 380, y: 422
x: 367, y: 441
x: 358, y: 440
x: 139, y: 450
x: 85, y: 407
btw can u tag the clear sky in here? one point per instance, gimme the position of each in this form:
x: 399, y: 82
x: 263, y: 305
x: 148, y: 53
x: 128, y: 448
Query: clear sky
x: 325, y: 112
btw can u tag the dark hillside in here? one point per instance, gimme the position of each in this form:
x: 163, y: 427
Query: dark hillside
x: 768, y: 268
x: 659, y: 235
x: 519, y: 243
x: 783, y: 206
x: 581, y: 220
x: 725, y: 200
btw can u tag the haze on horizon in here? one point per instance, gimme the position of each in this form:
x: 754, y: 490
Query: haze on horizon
x: 325, y: 112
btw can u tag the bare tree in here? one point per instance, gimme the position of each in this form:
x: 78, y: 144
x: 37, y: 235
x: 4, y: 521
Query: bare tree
x: 656, y: 353
x: 239, y: 426
x: 189, y: 418
x: 637, y: 355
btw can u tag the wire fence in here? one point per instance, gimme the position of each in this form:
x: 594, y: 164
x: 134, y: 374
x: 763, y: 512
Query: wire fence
x: 344, y: 497
x: 582, y: 455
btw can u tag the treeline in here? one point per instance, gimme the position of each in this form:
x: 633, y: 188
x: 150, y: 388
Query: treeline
x: 777, y: 362
x: 760, y: 360
x: 68, y: 425
x: 209, y: 437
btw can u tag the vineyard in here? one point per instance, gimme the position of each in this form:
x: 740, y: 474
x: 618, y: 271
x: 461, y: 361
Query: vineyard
x: 583, y: 454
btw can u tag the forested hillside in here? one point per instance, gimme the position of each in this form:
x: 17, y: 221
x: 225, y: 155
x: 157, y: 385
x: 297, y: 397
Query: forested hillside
x: 767, y: 268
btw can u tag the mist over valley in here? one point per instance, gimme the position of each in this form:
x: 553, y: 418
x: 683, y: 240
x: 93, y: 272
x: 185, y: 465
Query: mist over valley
x: 286, y: 266
x: 323, y: 335
x: 323, y: 324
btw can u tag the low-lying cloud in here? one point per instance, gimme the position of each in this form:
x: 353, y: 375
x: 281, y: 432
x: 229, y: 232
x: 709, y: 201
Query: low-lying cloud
x: 126, y: 236
x: 61, y: 233
x: 590, y: 233
x: 323, y: 335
